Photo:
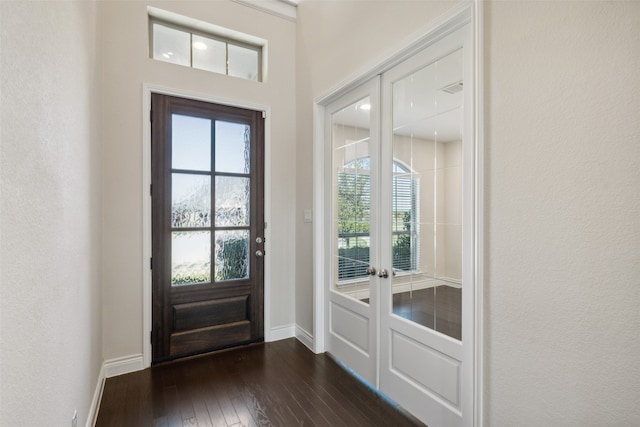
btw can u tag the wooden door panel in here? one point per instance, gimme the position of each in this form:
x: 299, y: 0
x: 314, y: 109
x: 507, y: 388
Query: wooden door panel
x: 208, y: 216
x: 210, y: 338
x: 194, y: 315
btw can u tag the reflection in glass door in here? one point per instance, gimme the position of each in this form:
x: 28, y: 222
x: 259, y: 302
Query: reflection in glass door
x: 427, y: 136
x: 352, y: 199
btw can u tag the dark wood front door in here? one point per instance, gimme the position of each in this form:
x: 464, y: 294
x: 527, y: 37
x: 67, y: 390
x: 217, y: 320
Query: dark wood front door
x: 208, y: 225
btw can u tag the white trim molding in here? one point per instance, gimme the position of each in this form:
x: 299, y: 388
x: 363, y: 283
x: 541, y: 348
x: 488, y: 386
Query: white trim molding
x: 123, y: 365
x: 304, y: 337
x: 112, y: 368
x: 478, y: 348
x: 280, y: 333
x: 97, y: 398
x: 285, y: 9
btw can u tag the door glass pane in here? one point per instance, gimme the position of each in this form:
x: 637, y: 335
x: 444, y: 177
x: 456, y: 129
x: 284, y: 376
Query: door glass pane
x: 352, y: 199
x: 209, y: 54
x: 232, y: 201
x: 190, y: 200
x: 191, y: 143
x: 233, y: 145
x: 243, y: 62
x: 232, y: 255
x: 190, y: 257
x: 171, y: 45
x: 427, y: 226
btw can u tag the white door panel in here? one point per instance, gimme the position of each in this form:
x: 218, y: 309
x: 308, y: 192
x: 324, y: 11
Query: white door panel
x: 351, y: 326
x: 438, y: 342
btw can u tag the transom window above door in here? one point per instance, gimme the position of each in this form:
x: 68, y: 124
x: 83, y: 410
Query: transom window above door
x: 197, y: 44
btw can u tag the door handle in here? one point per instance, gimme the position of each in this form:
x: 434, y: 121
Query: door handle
x: 371, y: 271
x: 383, y: 273
x: 259, y: 253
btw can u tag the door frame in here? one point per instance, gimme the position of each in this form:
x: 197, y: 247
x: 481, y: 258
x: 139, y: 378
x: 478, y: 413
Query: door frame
x: 147, y: 90
x: 466, y: 13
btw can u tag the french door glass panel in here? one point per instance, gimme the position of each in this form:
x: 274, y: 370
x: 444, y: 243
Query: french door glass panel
x: 427, y: 137
x: 352, y: 199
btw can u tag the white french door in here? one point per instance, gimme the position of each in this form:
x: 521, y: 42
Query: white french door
x: 426, y: 314
x: 352, y: 127
x: 399, y: 231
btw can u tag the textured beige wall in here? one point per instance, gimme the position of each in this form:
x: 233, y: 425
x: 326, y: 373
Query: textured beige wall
x: 562, y: 212
x: 50, y: 337
x: 126, y: 67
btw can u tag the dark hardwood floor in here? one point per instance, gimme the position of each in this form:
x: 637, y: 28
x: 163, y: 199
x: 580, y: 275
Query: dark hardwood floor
x: 274, y: 384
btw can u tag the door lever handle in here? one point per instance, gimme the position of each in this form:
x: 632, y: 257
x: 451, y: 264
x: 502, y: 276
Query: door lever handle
x: 383, y: 273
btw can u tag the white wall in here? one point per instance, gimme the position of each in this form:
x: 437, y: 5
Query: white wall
x: 50, y: 220
x: 562, y: 192
x: 126, y: 68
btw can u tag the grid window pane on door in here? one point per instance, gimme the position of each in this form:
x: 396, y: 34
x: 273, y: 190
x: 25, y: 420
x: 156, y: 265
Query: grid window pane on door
x: 190, y: 200
x: 232, y: 200
x: 190, y: 257
x: 206, y: 249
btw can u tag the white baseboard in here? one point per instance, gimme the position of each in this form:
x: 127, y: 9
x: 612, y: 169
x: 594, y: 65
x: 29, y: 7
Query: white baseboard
x: 123, y: 365
x: 111, y: 368
x: 97, y: 398
x: 280, y: 333
x: 304, y: 337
